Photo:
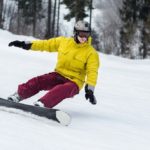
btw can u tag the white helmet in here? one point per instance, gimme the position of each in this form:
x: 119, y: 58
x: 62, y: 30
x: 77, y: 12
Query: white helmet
x: 82, y: 26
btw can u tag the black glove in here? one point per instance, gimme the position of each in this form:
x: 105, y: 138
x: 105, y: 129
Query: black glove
x: 21, y: 44
x: 89, y: 95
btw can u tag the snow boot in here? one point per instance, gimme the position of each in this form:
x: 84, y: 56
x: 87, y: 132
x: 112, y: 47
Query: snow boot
x: 14, y: 98
x: 38, y: 104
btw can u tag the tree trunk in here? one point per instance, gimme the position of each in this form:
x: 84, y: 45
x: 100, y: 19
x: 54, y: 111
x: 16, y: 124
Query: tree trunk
x: 48, y: 32
x: 58, y: 16
x: 18, y: 19
x: 54, y: 17
x: 1, y: 11
x: 91, y: 7
x: 34, y: 17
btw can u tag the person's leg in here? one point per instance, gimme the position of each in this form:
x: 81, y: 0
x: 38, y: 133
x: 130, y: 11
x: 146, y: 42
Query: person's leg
x: 36, y: 84
x: 59, y: 93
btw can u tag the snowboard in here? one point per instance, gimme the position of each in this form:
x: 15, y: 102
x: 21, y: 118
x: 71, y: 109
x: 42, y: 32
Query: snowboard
x: 53, y: 114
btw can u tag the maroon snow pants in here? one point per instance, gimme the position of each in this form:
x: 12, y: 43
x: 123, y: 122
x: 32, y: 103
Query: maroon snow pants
x: 58, y: 88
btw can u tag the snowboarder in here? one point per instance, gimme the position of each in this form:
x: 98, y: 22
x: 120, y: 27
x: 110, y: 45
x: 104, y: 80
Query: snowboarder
x: 77, y: 63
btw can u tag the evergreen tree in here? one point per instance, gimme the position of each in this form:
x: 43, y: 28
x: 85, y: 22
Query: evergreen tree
x: 28, y: 14
x: 129, y: 16
x: 30, y: 11
x: 53, y: 18
x: 135, y: 16
x: 145, y: 32
x: 77, y: 9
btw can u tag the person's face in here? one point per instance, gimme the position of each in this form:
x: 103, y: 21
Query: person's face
x: 83, y: 36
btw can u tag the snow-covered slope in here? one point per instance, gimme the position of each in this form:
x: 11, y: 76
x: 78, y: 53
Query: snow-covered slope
x: 120, y: 120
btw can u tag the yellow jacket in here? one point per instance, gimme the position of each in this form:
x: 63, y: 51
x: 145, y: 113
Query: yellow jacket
x: 77, y: 62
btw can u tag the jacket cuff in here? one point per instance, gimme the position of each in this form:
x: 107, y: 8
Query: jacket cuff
x: 90, y: 87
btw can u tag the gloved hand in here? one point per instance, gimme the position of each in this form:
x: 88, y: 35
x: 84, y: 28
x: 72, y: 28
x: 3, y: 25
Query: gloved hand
x: 22, y: 44
x: 89, y: 94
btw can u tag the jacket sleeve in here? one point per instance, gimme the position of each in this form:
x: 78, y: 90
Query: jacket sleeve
x: 50, y: 45
x: 92, y: 69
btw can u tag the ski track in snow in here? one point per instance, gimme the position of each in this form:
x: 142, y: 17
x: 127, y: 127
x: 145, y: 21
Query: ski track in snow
x: 120, y: 120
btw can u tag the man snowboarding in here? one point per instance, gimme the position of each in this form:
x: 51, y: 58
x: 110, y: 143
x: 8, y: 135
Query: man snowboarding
x: 77, y: 63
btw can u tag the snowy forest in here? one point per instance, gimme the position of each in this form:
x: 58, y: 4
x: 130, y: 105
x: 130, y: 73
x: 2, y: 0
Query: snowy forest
x: 119, y: 27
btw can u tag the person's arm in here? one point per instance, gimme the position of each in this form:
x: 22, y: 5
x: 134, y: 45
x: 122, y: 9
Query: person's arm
x: 92, y: 74
x: 50, y: 45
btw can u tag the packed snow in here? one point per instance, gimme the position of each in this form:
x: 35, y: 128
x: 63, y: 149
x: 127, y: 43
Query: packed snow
x: 120, y: 120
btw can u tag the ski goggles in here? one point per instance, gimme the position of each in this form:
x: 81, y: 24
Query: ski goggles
x: 83, y: 34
